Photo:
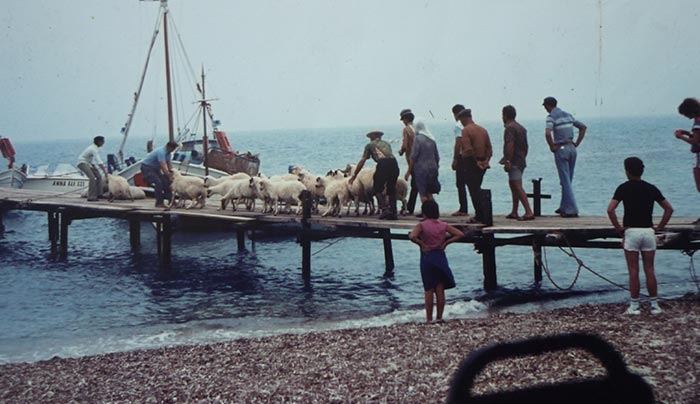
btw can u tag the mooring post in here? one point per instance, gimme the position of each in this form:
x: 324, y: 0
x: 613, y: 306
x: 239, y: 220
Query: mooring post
x: 537, y: 197
x: 2, y: 225
x: 537, y: 255
x: 388, y: 253
x: 134, y: 234
x: 304, y: 238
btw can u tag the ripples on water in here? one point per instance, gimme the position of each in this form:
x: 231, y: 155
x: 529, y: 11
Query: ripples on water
x: 106, y: 298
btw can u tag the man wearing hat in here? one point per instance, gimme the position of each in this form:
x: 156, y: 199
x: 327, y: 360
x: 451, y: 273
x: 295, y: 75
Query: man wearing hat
x: 386, y: 174
x: 475, y: 145
x: 560, y: 137
x: 409, y: 134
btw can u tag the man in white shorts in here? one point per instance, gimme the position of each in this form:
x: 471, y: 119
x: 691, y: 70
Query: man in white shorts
x: 638, y: 197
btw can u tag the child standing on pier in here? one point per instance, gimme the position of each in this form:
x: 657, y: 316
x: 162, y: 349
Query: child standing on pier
x: 435, y: 272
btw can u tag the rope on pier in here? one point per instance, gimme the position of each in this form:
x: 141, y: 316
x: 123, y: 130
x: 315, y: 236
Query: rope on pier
x: 329, y: 245
x: 571, y: 253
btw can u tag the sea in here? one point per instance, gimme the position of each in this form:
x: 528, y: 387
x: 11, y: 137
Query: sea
x: 106, y: 298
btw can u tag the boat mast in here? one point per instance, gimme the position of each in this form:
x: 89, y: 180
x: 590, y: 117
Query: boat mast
x: 205, y: 141
x: 137, y: 95
x: 171, y: 131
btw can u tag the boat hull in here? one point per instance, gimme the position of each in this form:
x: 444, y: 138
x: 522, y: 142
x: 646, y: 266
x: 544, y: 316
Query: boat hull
x: 12, y: 178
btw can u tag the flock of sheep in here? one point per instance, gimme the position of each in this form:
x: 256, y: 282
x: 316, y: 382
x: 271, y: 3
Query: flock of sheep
x: 286, y: 189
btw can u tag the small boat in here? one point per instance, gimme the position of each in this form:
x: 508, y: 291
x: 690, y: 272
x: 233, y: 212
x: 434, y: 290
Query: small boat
x: 197, y: 155
x: 54, y: 177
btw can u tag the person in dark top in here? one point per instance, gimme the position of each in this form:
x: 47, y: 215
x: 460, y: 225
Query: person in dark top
x: 386, y: 174
x: 638, y: 197
x: 514, y: 155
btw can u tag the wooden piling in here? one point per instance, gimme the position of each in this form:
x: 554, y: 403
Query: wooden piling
x: 240, y: 236
x: 64, y: 222
x: 537, y: 257
x: 388, y: 253
x: 134, y: 234
x: 53, y: 232
x: 304, y: 238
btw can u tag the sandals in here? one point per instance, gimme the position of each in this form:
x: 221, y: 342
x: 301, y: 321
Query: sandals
x: 512, y: 216
x: 526, y: 218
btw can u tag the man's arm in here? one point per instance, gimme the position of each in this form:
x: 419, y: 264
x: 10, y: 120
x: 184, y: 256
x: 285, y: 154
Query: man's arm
x: 550, y: 140
x: 581, y: 133
x: 613, y: 216
x: 668, y: 211
x: 455, y: 154
x: 359, y: 166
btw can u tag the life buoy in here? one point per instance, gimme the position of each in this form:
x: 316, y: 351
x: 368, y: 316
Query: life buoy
x: 222, y: 141
x: 6, y: 148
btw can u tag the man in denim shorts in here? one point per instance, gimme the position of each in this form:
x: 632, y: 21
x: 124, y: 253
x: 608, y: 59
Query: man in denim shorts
x: 638, y: 197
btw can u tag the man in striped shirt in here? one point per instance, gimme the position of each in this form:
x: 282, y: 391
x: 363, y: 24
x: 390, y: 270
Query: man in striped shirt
x: 560, y: 137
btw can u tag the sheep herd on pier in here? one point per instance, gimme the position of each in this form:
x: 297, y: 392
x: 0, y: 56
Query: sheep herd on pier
x: 286, y: 191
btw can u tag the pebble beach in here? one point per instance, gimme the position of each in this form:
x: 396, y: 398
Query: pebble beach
x: 403, y: 363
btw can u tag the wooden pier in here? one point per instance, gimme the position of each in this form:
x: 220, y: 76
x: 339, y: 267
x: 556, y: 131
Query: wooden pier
x: 585, y: 232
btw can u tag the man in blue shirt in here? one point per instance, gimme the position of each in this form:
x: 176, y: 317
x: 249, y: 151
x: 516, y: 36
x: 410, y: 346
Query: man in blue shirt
x: 156, y: 169
x: 560, y: 137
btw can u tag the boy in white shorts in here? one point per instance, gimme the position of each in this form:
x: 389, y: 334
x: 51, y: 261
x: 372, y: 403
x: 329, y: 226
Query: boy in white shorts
x: 638, y: 197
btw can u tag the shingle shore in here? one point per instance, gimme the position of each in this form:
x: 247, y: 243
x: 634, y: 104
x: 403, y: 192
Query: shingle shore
x: 404, y: 363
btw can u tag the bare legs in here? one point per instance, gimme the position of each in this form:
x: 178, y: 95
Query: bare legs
x: 519, y: 196
x: 632, y: 258
x: 439, y: 293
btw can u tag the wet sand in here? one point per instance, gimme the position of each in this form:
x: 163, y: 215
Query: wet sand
x: 405, y: 363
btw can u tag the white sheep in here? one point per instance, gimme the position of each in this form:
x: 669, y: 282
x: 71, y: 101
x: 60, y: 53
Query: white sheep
x: 118, y: 188
x: 240, y: 190
x: 189, y: 187
x: 362, y: 190
x: 210, y: 181
x: 281, y: 191
x: 336, y: 191
x: 137, y: 192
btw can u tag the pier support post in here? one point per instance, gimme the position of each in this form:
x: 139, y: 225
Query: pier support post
x: 304, y: 238
x: 65, y: 221
x: 537, y: 255
x: 487, y: 247
x: 240, y: 236
x: 53, y: 232
x: 164, y: 230
x: 487, y: 244
x: 2, y: 225
x: 134, y: 234
x: 388, y: 253
x: 486, y: 207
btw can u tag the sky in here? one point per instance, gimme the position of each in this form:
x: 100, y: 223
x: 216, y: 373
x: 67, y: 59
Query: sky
x: 70, y: 68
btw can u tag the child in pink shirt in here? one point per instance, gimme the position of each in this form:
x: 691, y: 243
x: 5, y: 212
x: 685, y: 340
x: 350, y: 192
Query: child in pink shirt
x: 435, y: 272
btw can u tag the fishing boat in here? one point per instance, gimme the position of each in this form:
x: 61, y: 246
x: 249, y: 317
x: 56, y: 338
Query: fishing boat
x: 197, y: 155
